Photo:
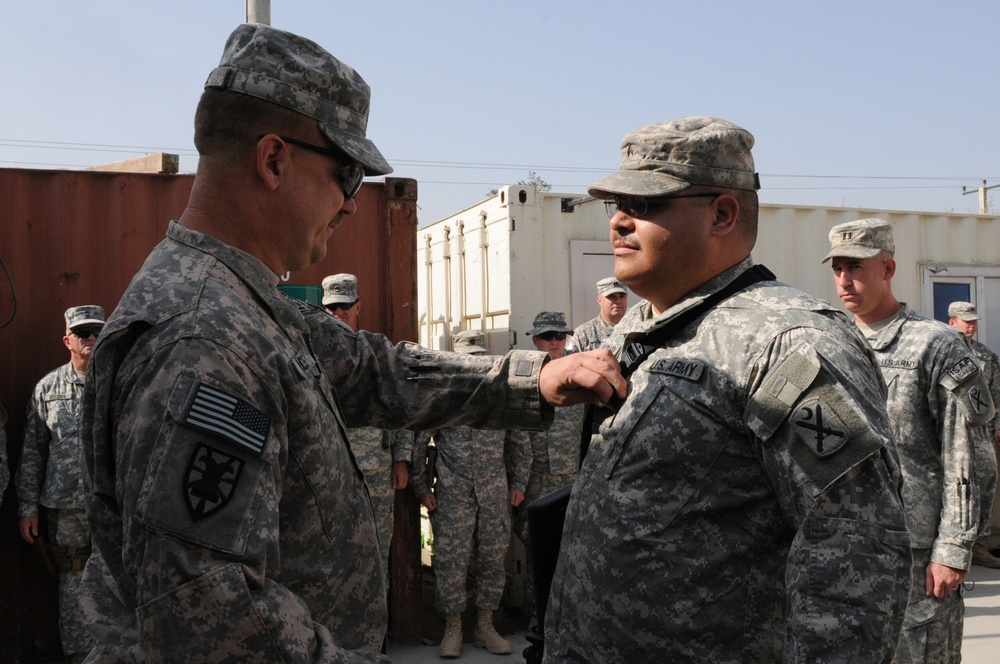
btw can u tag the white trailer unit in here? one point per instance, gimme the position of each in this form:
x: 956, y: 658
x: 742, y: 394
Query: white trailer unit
x: 494, y: 265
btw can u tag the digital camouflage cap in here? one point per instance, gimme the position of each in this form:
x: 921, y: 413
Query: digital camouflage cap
x: 87, y: 314
x: 470, y: 342
x: 964, y: 310
x: 294, y: 72
x: 610, y: 285
x: 667, y: 157
x: 340, y: 289
x: 549, y: 321
x: 862, y: 238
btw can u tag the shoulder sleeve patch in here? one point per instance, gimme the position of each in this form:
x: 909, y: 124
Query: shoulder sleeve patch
x: 963, y: 369
x: 772, y: 403
x: 227, y: 417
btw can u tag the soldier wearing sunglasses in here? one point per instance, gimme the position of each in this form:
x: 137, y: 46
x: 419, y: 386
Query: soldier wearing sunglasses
x: 742, y: 504
x: 230, y: 519
x: 49, y: 477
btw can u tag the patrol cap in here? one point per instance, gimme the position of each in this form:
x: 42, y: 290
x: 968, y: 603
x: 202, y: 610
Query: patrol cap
x: 469, y: 342
x: 87, y: 314
x: 549, y: 321
x: 610, y: 285
x: 862, y: 238
x: 660, y: 159
x: 294, y: 72
x: 964, y: 310
x: 340, y: 289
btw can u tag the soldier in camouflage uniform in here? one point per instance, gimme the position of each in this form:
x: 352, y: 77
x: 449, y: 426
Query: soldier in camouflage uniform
x: 612, y: 298
x: 229, y: 517
x: 479, y: 474
x: 383, y: 456
x: 742, y: 503
x: 963, y: 317
x: 49, y: 475
x: 555, y: 452
x: 939, y: 406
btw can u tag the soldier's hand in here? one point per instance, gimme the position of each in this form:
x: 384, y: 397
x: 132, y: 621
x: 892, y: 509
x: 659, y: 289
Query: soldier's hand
x: 400, y: 475
x: 429, y: 501
x: 943, y: 580
x: 28, y: 525
x: 590, y: 377
x: 516, y: 497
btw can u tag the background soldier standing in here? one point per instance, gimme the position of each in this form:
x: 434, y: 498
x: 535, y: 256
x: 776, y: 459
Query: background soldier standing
x: 963, y: 317
x: 612, y: 298
x: 382, y: 455
x: 939, y: 405
x: 479, y: 475
x: 555, y: 452
x: 49, y: 475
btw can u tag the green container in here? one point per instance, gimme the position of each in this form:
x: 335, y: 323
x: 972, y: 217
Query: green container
x: 311, y: 294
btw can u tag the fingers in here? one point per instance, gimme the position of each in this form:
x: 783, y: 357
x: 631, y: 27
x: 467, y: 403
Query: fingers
x: 591, y: 377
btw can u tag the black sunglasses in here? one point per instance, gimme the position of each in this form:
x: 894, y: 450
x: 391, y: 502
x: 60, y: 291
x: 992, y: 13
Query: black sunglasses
x: 552, y: 336
x: 349, y: 176
x: 341, y: 305
x: 638, y: 206
x: 86, y: 332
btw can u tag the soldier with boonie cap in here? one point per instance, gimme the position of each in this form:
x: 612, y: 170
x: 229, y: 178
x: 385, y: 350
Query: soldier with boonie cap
x: 862, y: 238
x: 88, y: 314
x: 549, y: 321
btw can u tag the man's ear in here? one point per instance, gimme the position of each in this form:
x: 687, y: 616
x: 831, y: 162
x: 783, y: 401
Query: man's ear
x: 272, y: 160
x: 890, y: 268
x: 727, y: 211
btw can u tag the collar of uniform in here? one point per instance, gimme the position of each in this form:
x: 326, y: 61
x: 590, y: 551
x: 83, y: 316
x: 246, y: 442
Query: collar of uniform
x: 888, y: 333
x: 249, y: 269
x: 649, y: 321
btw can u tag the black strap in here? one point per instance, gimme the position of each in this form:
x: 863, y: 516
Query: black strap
x: 636, y: 350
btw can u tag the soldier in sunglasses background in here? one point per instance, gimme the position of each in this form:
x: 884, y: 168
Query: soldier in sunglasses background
x: 555, y: 452
x: 612, y: 298
x: 49, y: 478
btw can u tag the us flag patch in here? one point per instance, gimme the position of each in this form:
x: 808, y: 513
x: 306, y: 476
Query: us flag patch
x: 224, y: 416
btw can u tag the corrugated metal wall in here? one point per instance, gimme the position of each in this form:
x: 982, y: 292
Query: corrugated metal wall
x: 70, y: 238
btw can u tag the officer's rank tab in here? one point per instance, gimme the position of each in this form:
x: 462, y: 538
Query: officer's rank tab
x: 230, y: 418
x: 820, y: 428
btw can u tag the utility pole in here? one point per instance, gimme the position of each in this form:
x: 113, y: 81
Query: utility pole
x: 982, y: 194
x: 259, y: 11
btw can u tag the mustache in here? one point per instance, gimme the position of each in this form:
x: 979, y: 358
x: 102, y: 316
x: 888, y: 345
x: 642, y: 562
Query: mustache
x: 624, y: 241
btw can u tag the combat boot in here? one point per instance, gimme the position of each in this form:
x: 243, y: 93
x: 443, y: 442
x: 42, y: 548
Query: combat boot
x: 451, y: 642
x: 485, y: 636
x: 982, y: 557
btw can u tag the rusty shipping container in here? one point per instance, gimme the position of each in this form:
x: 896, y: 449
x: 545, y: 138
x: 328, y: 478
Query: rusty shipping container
x: 77, y: 237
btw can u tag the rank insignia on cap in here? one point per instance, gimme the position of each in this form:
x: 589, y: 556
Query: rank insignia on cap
x: 820, y: 427
x: 211, y: 480
x: 224, y: 416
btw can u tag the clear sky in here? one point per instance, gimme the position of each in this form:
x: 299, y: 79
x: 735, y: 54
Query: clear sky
x: 877, y: 104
